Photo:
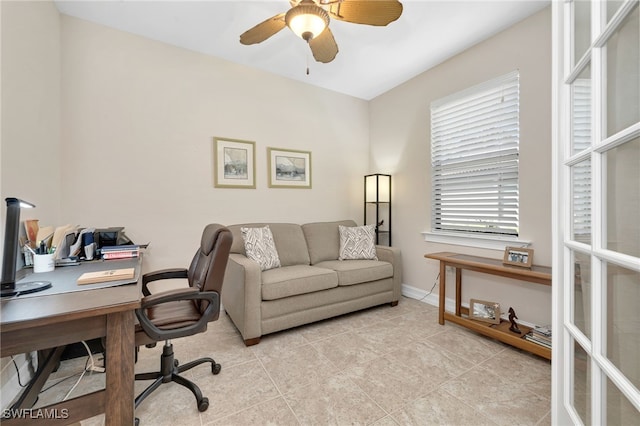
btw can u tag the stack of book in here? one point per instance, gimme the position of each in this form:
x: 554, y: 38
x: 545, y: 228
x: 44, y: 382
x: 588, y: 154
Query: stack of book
x: 120, y: 252
x: 540, y: 336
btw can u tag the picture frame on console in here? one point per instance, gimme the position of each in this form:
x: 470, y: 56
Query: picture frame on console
x: 234, y: 163
x: 289, y: 168
x: 482, y: 310
x: 518, y: 256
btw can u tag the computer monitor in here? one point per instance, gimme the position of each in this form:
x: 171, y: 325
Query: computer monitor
x: 10, y: 254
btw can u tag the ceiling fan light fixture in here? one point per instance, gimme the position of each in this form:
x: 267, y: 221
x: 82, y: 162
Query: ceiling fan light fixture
x: 307, y: 20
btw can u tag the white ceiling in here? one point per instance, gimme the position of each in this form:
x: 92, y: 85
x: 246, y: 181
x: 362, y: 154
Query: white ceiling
x: 371, y: 60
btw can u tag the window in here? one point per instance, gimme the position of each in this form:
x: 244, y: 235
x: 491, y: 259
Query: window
x: 474, y: 159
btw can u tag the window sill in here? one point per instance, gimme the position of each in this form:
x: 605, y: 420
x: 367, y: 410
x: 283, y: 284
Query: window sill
x: 477, y: 241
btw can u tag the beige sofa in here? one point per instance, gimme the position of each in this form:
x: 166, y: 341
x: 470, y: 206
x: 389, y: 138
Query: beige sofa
x: 311, y: 284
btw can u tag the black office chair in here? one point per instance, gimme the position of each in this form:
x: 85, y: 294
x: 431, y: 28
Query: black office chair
x: 184, y: 312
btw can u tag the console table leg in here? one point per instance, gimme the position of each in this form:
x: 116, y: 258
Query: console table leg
x: 443, y: 284
x: 458, y: 290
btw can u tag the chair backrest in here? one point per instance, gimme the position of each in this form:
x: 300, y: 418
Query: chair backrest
x: 208, y: 266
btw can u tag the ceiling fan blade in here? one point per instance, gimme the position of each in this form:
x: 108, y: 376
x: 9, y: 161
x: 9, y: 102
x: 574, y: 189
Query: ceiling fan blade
x: 379, y: 12
x: 324, y: 47
x: 263, y: 30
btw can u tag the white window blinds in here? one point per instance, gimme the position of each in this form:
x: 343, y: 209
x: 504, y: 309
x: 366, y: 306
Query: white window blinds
x: 474, y: 159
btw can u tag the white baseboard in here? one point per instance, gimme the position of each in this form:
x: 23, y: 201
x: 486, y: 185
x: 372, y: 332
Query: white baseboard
x: 420, y: 294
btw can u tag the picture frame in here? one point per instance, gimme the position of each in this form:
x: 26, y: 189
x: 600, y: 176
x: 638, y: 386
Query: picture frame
x: 518, y: 256
x: 288, y: 168
x: 234, y: 163
x: 482, y: 310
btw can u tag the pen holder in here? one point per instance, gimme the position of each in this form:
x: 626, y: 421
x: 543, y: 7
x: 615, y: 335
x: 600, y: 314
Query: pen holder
x: 44, y: 263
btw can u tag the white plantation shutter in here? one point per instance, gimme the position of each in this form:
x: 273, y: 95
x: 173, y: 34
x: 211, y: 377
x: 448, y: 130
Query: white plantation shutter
x: 474, y: 159
x: 581, y: 173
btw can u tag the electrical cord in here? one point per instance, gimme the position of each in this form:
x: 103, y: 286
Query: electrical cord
x: 64, y: 379
x: 17, y: 372
x: 88, y: 366
x: 431, y: 291
x: 75, y: 385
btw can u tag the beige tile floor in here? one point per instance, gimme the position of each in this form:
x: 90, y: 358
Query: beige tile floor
x: 382, y: 366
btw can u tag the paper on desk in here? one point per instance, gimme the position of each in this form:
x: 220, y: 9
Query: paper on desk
x: 31, y: 228
x: 60, y: 240
x: 74, y: 250
x: 44, y: 233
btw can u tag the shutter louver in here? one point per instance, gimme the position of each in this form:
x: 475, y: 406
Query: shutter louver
x: 581, y: 172
x: 474, y: 159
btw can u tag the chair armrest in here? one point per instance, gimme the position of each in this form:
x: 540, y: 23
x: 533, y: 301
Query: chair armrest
x: 181, y: 294
x: 168, y: 296
x: 163, y: 274
x: 242, y: 295
x: 394, y: 257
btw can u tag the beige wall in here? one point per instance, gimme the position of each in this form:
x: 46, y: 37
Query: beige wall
x: 400, y: 145
x: 30, y: 129
x: 31, y: 107
x: 138, y: 121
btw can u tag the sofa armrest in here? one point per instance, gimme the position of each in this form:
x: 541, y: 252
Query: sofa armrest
x: 394, y: 257
x: 242, y: 295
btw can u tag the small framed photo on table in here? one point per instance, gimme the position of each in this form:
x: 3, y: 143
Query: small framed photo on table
x: 234, y: 163
x: 518, y: 256
x: 482, y: 310
x: 288, y: 168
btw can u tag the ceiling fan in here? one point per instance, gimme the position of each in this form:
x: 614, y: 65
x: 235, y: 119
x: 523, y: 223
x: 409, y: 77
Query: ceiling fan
x: 309, y: 19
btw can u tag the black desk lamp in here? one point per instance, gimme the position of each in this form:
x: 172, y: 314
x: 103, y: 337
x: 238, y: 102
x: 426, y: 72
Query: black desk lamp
x: 10, y: 255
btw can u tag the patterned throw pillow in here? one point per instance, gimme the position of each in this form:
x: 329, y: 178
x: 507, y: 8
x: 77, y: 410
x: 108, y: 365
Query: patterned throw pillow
x: 260, y: 247
x: 357, y: 242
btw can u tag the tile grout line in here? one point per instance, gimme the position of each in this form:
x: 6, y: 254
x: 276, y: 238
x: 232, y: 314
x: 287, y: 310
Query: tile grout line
x: 279, y: 391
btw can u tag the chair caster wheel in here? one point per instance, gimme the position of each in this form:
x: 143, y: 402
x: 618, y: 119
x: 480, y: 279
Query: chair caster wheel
x: 215, y: 368
x: 137, y: 422
x: 176, y: 362
x: 203, y: 405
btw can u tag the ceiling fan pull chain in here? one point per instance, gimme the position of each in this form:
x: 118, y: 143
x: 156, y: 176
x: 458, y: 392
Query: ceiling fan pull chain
x: 307, y: 56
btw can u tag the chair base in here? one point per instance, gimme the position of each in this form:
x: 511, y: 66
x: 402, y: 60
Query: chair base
x: 170, y: 370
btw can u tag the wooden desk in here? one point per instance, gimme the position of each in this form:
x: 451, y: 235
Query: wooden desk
x: 54, y: 318
x: 535, y: 274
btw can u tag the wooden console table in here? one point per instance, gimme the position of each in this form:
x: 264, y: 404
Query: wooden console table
x: 535, y: 274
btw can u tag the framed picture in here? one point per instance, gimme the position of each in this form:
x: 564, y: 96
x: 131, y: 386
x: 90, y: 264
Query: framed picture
x: 288, y: 168
x: 518, y: 256
x: 234, y: 163
x: 482, y: 310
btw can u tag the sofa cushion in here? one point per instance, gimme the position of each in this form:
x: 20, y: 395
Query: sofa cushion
x: 296, y: 279
x: 259, y: 246
x: 352, y: 272
x: 357, y: 242
x: 288, y: 237
x: 323, y: 239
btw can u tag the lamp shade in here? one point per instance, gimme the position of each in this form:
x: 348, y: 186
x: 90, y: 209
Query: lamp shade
x: 307, y: 20
x: 378, y: 188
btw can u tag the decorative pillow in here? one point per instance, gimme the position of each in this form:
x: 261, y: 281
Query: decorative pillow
x: 357, y: 242
x: 260, y: 247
